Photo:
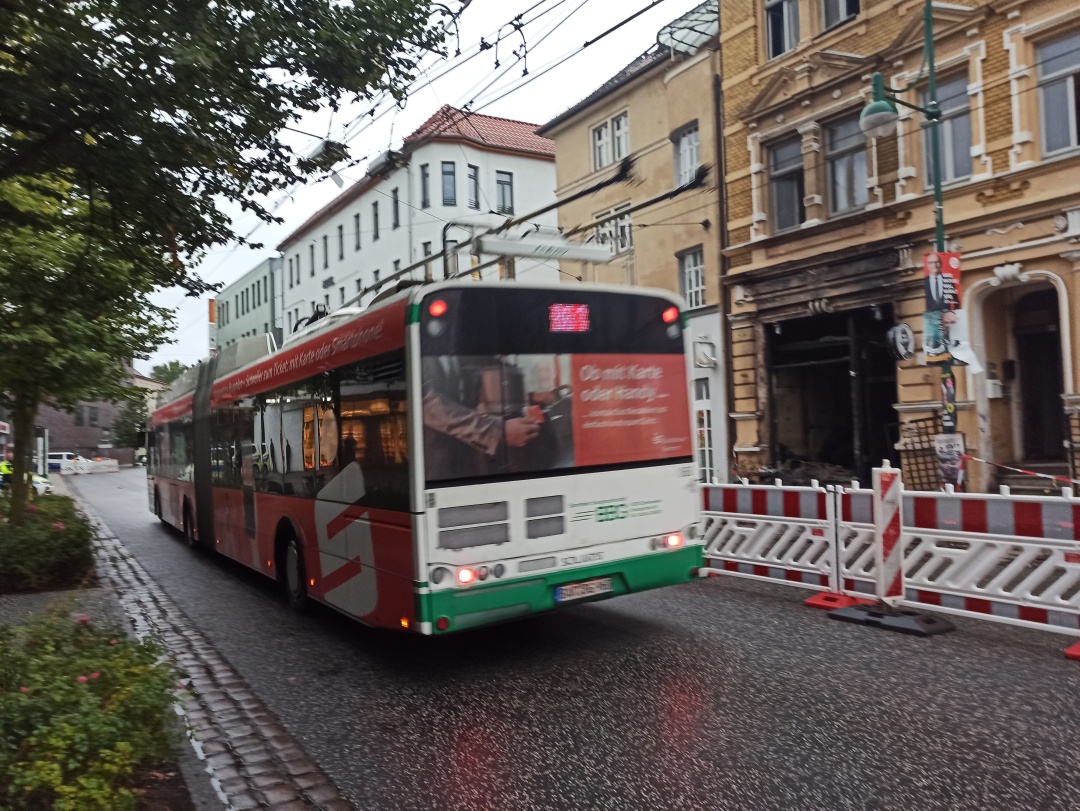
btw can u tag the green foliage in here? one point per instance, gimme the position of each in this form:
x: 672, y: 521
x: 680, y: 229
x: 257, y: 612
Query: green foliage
x: 130, y: 423
x: 81, y: 707
x: 51, y: 549
x: 168, y: 372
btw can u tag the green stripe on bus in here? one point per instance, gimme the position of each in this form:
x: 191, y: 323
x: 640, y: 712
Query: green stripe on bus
x: 532, y: 594
x: 412, y: 313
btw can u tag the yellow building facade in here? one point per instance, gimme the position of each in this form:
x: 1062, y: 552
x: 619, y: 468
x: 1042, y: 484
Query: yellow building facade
x: 827, y: 230
x: 662, y: 111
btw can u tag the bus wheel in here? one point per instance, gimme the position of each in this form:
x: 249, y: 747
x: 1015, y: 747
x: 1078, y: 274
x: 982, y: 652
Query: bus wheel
x: 295, y: 575
x: 189, y: 527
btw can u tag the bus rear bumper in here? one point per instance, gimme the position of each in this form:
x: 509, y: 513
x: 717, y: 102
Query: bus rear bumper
x: 486, y: 604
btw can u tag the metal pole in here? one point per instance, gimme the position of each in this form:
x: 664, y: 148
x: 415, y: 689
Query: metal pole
x: 933, y: 114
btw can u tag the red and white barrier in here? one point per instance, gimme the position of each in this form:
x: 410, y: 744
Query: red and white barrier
x: 888, y: 553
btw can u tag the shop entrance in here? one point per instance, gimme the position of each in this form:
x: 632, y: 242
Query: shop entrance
x: 1038, y: 353
x: 831, y: 395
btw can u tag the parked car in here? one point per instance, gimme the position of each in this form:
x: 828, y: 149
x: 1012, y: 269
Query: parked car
x: 42, y: 486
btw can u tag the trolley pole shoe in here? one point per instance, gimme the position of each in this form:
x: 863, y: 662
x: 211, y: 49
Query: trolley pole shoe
x: 887, y: 614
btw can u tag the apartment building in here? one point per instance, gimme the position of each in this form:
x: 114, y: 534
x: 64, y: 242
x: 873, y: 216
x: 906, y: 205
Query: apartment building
x: 249, y: 306
x: 661, y: 110
x: 827, y: 229
x: 457, y: 175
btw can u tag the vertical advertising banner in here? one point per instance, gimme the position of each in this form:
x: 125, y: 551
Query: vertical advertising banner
x: 944, y: 321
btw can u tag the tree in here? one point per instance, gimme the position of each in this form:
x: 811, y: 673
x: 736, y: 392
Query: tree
x: 73, y: 310
x: 168, y: 372
x: 130, y: 423
x: 165, y: 110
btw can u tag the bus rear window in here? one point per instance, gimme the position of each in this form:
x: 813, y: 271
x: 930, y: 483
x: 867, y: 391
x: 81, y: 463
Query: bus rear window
x: 531, y: 381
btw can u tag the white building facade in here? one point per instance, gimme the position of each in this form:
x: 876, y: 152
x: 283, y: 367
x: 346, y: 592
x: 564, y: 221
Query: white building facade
x: 249, y: 306
x: 458, y: 175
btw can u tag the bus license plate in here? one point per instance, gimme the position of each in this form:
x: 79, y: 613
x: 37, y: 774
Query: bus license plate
x: 579, y: 591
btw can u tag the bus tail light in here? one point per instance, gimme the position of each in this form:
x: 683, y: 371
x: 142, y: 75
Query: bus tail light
x: 670, y: 315
x: 437, y: 308
x: 465, y: 576
x: 442, y: 623
x: 673, y: 541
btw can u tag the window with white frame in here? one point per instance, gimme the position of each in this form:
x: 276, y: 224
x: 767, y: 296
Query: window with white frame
x: 692, y: 277
x: 786, y: 183
x: 781, y: 26
x: 687, y: 155
x: 449, y: 183
x: 356, y: 230
x: 955, y: 129
x: 425, y: 186
x: 325, y: 251
x: 620, y: 136
x: 395, y: 209
x: 845, y: 157
x: 374, y: 220
x: 834, y: 12
x: 611, y: 141
x: 290, y: 273
x: 616, y: 231
x: 340, y: 242
x: 504, y: 192
x: 703, y: 415
x: 1059, y: 92
x: 311, y: 247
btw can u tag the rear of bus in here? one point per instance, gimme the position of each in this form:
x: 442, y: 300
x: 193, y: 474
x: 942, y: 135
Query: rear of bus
x: 557, y: 455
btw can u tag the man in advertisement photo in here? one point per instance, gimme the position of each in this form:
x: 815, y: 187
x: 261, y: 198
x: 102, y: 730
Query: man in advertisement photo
x: 942, y: 282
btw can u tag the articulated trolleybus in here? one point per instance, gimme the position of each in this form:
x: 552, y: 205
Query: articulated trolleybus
x: 455, y: 455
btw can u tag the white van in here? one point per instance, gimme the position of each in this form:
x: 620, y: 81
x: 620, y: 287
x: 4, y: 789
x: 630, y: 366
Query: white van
x: 57, y: 459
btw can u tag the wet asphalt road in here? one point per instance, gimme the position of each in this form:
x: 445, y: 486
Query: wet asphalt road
x: 722, y: 694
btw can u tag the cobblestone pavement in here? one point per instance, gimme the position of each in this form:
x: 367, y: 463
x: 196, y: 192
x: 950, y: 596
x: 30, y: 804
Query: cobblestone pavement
x: 253, y: 761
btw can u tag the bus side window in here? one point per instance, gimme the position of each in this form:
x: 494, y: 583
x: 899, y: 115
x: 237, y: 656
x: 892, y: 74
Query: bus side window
x: 373, y: 426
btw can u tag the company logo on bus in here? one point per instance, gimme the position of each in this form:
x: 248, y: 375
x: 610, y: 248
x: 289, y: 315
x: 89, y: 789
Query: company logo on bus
x: 568, y: 318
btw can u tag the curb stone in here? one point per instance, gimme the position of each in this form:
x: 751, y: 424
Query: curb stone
x: 252, y: 760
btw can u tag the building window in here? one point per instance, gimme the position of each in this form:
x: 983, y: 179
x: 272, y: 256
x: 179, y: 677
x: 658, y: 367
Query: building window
x: 78, y: 415
x: 703, y: 417
x: 687, y: 155
x: 395, y: 210
x: 290, y: 274
x: 92, y: 416
x: 340, y: 242
x: 326, y: 299
x: 845, y: 154
x: 955, y: 131
x: 618, y: 231
x: 782, y: 26
x: 312, y: 249
x: 105, y: 441
x: 341, y: 293
x: 289, y: 316
x: 359, y: 285
x: 375, y: 277
x: 1059, y: 92
x: 835, y: 12
x: 375, y: 221
x: 620, y: 136
x: 325, y: 251
x: 474, y: 186
x: 504, y: 191
x: 449, y: 183
x: 786, y: 183
x: 427, y: 248
x: 297, y: 266
x: 397, y: 266
x: 692, y: 277
x: 611, y: 141
x: 356, y: 231
x: 265, y: 297
x: 425, y: 186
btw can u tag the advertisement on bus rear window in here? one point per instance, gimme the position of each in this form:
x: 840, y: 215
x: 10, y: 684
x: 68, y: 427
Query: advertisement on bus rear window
x: 509, y: 414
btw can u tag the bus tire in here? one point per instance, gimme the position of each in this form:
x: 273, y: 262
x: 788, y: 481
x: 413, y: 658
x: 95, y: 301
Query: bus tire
x: 294, y: 574
x: 189, y: 527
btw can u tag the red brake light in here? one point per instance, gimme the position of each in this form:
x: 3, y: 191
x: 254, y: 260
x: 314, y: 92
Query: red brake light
x: 465, y: 576
x: 670, y: 314
x: 437, y: 308
x: 673, y: 541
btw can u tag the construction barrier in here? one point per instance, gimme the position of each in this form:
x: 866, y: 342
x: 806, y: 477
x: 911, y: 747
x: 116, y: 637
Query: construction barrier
x: 1004, y: 558
x: 771, y: 532
x: 72, y: 468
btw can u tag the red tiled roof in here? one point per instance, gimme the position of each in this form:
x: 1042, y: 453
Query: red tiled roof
x: 452, y: 124
x: 503, y: 133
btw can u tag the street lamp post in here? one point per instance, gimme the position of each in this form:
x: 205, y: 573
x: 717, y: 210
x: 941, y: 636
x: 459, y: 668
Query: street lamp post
x: 878, y: 120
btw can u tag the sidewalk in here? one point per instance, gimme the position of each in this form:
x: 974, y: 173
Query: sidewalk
x: 238, y: 754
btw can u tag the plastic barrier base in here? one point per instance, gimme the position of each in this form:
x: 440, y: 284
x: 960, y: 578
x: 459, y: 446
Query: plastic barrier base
x: 1073, y: 652
x: 901, y: 620
x: 829, y: 601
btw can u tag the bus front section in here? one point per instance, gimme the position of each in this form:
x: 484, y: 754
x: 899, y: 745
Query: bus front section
x: 557, y: 454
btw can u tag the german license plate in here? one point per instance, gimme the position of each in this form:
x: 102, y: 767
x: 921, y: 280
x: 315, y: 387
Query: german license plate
x: 579, y: 591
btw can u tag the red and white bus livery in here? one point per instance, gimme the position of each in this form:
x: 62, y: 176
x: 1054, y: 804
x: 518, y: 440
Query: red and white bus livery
x: 455, y: 455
